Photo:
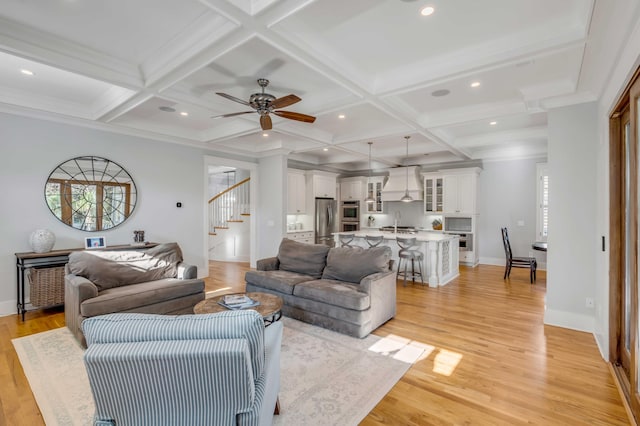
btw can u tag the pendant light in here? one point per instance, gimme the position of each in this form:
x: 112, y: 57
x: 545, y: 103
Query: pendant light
x: 406, y: 198
x: 370, y: 199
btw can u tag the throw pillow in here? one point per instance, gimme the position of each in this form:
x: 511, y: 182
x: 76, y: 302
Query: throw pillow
x: 352, y: 264
x: 115, y: 268
x: 303, y: 258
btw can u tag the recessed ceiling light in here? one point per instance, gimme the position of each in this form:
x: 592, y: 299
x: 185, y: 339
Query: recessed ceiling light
x: 427, y: 10
x: 183, y: 113
x: 341, y: 116
x: 166, y: 109
x: 266, y: 135
x: 493, y: 123
x: 475, y: 84
x: 441, y: 92
x: 26, y: 72
x: 325, y: 149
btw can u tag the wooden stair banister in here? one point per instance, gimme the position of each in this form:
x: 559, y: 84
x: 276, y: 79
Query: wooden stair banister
x: 229, y: 205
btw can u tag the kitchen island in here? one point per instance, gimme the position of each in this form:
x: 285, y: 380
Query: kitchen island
x: 440, y: 252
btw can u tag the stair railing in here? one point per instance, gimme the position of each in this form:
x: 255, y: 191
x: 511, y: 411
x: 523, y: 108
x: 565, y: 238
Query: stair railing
x: 229, y: 205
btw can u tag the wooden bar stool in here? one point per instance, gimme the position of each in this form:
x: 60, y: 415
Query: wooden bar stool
x: 407, y: 254
x: 374, y: 240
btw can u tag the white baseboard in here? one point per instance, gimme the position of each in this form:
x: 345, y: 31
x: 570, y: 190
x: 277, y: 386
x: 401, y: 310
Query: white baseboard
x: 500, y: 261
x: 8, y: 307
x: 570, y: 320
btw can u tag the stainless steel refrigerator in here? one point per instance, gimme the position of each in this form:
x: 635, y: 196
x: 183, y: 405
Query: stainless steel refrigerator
x: 326, y: 220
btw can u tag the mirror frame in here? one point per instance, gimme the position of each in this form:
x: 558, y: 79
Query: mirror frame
x: 90, y: 193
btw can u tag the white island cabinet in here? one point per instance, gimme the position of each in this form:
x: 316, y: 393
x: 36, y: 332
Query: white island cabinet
x: 441, y: 251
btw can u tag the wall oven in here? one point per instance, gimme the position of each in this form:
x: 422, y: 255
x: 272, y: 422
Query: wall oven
x: 350, y: 226
x: 350, y: 211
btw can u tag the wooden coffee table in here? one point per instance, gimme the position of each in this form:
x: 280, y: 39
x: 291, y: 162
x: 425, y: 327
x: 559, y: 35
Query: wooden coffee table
x: 270, y: 306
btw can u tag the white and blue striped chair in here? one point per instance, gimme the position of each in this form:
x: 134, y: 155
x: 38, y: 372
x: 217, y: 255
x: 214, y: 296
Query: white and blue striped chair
x: 212, y: 369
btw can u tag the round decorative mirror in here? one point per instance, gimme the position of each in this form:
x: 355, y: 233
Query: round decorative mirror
x: 90, y: 193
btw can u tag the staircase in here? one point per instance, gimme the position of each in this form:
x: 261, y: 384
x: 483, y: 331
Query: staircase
x: 228, y: 225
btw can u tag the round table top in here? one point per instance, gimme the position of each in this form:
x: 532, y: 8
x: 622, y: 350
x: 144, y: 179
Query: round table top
x: 539, y: 245
x: 269, y: 304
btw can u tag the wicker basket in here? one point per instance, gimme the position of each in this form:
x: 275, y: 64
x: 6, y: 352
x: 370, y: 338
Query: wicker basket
x: 46, y: 286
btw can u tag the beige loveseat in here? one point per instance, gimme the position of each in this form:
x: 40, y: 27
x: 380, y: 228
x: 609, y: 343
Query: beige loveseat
x: 152, y: 281
x: 350, y: 290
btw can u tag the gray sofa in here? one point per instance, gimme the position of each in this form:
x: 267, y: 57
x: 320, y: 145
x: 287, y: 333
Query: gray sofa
x: 152, y: 281
x: 347, y: 289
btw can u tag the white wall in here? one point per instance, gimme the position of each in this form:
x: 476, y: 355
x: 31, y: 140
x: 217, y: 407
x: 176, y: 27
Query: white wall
x: 573, y: 243
x: 164, y: 174
x: 272, y: 204
x: 507, y: 195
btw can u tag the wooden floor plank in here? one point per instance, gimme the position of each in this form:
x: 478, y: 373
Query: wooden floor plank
x: 493, y: 361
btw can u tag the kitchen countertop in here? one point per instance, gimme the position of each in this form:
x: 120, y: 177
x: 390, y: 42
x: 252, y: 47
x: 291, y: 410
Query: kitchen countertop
x: 299, y: 230
x: 387, y: 235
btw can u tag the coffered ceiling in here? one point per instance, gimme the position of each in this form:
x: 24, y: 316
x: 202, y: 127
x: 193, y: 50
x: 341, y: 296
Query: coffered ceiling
x: 379, y: 64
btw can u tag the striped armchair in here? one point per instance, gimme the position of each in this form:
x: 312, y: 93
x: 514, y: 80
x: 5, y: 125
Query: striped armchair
x: 213, y: 369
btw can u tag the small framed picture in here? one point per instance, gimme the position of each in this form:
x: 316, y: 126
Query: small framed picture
x: 94, y: 242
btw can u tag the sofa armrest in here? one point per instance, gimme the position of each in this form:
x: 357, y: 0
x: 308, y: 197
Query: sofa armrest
x: 381, y: 288
x: 76, y: 290
x: 186, y: 271
x: 268, y: 264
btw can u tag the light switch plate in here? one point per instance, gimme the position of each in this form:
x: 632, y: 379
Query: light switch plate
x: 521, y: 223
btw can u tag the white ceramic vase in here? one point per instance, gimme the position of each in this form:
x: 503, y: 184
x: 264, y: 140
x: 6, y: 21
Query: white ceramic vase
x: 42, y: 240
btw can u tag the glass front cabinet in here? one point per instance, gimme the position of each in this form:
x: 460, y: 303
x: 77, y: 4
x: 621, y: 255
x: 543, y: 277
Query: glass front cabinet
x: 433, y: 194
x: 374, y: 187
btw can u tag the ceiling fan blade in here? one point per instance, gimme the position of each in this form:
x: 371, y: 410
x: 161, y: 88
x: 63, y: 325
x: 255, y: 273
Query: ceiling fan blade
x: 233, y: 98
x: 233, y: 114
x: 285, y: 101
x: 265, y: 122
x: 295, y: 116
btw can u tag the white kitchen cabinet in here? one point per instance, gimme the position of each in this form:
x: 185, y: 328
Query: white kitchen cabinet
x: 351, y: 190
x: 302, y: 236
x: 296, y: 182
x: 374, y: 188
x: 433, y: 194
x: 324, y: 186
x: 460, y: 192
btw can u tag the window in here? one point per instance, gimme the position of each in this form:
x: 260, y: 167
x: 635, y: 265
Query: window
x: 542, y: 214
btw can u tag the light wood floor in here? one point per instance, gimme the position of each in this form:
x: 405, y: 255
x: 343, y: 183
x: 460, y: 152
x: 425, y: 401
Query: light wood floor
x: 493, y: 361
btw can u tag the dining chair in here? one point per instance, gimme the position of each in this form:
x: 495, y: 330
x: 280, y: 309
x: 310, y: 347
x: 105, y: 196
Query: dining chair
x: 517, y: 262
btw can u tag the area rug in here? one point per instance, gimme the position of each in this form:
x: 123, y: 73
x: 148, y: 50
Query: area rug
x: 326, y: 378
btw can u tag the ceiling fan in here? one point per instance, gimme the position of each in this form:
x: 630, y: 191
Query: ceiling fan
x: 265, y: 103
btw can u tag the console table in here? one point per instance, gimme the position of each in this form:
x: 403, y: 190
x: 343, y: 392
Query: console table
x: 51, y: 259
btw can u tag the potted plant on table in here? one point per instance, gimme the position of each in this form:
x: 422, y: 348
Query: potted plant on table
x: 436, y: 224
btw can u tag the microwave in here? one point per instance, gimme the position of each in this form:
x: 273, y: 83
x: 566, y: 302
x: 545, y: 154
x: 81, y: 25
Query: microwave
x: 458, y: 224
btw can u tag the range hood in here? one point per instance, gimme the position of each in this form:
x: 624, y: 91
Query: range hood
x: 396, y: 185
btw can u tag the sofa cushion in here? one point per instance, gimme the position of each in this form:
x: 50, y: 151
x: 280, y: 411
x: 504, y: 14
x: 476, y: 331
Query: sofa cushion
x: 332, y: 292
x: 133, y: 296
x: 303, y: 258
x: 114, y: 268
x: 281, y: 281
x: 352, y: 264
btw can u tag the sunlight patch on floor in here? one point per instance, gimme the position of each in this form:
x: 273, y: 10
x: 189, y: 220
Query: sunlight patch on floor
x: 214, y: 293
x: 410, y: 351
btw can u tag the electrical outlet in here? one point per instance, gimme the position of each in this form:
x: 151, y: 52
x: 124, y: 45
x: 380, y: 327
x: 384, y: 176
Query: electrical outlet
x: 589, y: 302
x: 531, y: 254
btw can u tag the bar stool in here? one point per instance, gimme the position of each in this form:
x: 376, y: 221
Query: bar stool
x: 407, y: 254
x: 374, y: 240
x: 346, y: 239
